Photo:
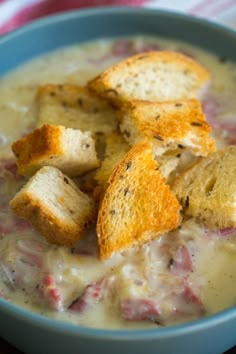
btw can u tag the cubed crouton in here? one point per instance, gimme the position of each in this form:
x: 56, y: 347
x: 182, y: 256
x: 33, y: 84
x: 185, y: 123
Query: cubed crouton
x: 207, y: 191
x: 75, y: 107
x: 70, y: 150
x: 55, y: 206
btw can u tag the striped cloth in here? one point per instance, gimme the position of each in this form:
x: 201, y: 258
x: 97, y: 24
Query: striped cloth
x: 14, y: 13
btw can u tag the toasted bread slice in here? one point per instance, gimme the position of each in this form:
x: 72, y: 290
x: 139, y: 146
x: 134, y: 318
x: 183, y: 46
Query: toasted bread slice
x: 168, y: 163
x: 152, y: 76
x: 207, y: 190
x: 137, y: 205
x: 70, y: 150
x: 116, y: 148
x: 55, y: 206
x: 75, y: 107
x: 169, y: 125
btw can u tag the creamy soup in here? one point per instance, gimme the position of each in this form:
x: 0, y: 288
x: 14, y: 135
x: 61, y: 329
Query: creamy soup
x: 187, y: 274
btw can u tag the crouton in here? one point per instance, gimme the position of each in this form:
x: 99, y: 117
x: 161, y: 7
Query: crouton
x: 75, y: 107
x: 70, y: 150
x: 116, y: 148
x: 207, y: 190
x: 137, y: 205
x: 152, y: 76
x: 55, y: 206
x: 168, y: 163
x: 170, y: 125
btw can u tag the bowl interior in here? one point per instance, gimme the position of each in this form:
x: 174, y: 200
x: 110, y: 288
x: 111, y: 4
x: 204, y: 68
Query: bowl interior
x: 79, y: 26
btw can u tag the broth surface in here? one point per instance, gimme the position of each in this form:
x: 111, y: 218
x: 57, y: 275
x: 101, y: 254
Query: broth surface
x: 33, y: 271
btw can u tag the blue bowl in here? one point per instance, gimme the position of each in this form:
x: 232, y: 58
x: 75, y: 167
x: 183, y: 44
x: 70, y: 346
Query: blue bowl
x: 33, y: 333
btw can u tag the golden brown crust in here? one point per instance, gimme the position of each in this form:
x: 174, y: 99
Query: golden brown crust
x: 170, y: 121
x: 104, y: 86
x: 74, y: 107
x: 41, y: 143
x: 58, y: 217
x: 43, y: 220
x: 137, y: 204
x: 207, y: 189
x: 116, y: 148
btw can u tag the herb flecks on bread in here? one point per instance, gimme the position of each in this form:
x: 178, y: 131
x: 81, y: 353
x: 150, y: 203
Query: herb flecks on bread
x: 168, y: 125
x: 75, y: 107
x: 152, y: 76
x: 137, y: 205
x: 116, y: 148
x: 207, y: 191
x: 70, y: 150
x: 55, y: 206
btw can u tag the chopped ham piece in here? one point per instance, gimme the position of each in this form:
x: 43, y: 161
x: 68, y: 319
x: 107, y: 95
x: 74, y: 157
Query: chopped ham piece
x: 92, y: 295
x: 188, y: 301
x: 51, y: 292
x: 139, y: 310
x: 123, y: 47
x: 182, y: 261
x: 226, y: 128
x: 148, y: 47
x: 212, y: 108
x: 8, y: 168
x: 190, y: 295
x: 229, y: 231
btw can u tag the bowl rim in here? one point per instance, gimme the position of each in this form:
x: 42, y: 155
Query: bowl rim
x: 114, y: 334
x: 141, y: 334
x: 101, y: 10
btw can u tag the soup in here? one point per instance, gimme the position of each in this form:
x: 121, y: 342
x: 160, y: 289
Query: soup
x: 184, y: 275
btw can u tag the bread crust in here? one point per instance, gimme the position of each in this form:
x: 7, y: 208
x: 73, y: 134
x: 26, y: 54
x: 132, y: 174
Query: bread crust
x: 115, y: 150
x: 31, y: 205
x: 207, y: 190
x: 74, y: 107
x: 137, y: 205
x: 170, y: 122
x: 109, y: 83
x: 51, y: 145
x: 42, y: 142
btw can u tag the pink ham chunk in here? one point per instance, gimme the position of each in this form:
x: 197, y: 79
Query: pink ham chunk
x: 125, y: 47
x: 51, y: 292
x: 139, y: 310
x: 229, y: 231
x: 92, y: 295
x: 8, y: 168
x: 221, y: 233
x: 182, y: 261
x: 213, y: 107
